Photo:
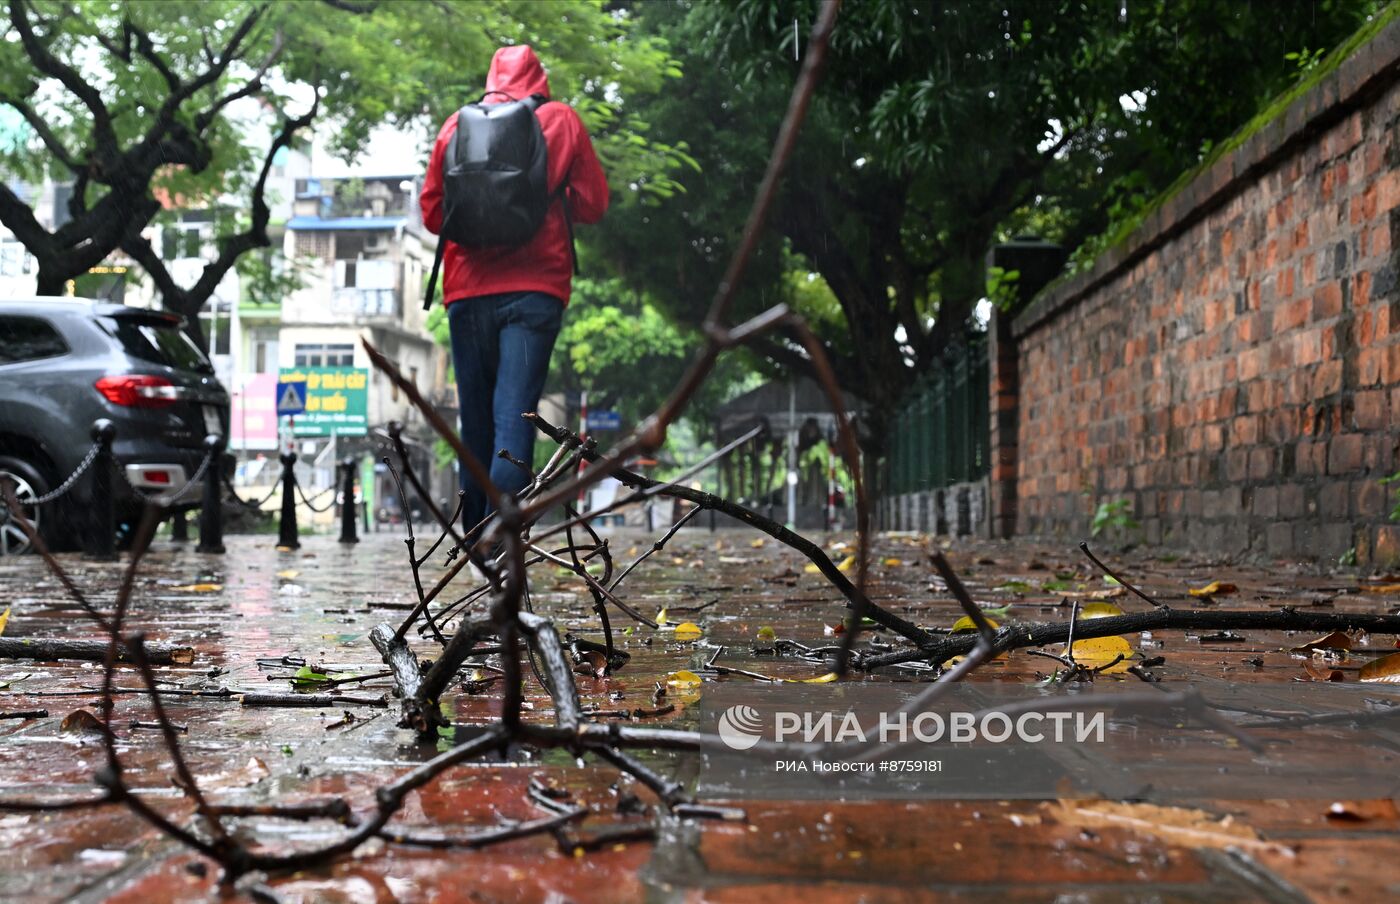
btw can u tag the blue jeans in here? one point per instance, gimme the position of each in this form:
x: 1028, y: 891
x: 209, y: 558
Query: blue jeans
x: 500, y: 351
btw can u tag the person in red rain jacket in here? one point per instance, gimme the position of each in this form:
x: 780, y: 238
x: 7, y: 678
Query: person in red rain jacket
x: 505, y: 305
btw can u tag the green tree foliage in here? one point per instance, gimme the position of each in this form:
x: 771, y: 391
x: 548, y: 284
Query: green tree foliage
x: 133, y: 102
x: 617, y: 346
x: 939, y: 128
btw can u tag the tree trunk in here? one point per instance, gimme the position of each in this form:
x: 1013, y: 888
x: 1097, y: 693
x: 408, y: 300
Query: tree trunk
x: 193, y: 328
x: 51, y: 280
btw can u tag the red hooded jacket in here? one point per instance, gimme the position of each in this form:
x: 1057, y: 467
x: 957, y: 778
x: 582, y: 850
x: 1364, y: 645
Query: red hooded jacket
x: 545, y: 263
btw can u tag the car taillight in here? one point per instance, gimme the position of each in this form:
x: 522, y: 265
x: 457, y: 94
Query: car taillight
x: 138, y: 391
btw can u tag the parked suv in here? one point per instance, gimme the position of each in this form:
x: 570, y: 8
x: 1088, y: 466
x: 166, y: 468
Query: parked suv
x: 65, y: 363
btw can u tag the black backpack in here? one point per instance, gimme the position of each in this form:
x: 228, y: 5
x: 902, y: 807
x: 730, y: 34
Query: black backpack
x: 495, y: 188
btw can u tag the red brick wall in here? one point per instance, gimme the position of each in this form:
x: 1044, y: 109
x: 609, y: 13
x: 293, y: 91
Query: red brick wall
x: 1234, y: 371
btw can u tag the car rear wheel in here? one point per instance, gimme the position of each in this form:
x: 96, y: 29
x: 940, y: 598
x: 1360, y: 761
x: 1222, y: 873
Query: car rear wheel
x: 28, y: 484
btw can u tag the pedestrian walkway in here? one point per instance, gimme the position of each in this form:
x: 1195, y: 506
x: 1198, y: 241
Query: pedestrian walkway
x: 256, y: 617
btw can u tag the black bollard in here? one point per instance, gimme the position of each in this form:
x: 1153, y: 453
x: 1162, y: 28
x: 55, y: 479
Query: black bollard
x: 287, y: 527
x: 211, y: 510
x: 102, y: 543
x: 348, y: 515
x: 179, y: 527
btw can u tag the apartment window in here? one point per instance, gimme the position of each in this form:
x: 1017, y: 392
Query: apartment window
x: 265, y: 354
x: 313, y: 244
x: 181, y: 241
x: 325, y: 355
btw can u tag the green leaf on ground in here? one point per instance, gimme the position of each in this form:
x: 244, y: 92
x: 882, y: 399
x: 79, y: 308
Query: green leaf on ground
x: 308, y: 677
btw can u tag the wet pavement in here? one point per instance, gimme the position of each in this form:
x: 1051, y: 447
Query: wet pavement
x: 255, y: 614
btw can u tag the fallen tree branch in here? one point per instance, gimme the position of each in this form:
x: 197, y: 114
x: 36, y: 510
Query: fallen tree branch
x: 49, y: 649
x: 855, y: 597
x: 1011, y: 637
x: 262, y: 699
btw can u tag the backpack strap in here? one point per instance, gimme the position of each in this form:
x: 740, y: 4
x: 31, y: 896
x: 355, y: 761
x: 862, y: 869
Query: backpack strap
x: 449, y: 159
x: 432, y: 280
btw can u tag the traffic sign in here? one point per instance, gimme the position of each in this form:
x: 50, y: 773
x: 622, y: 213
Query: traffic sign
x: 604, y: 420
x: 291, y: 397
x: 336, y: 399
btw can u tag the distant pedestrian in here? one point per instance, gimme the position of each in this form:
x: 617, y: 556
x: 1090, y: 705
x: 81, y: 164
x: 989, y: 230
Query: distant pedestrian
x: 509, y: 266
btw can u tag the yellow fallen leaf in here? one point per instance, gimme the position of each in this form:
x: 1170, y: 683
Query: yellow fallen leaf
x: 1099, y: 610
x: 767, y: 634
x: 688, y: 631
x: 824, y: 679
x: 199, y: 588
x: 1337, y: 640
x: 1214, y: 588
x: 1385, y: 670
x: 683, y: 679
x: 757, y: 544
x: 4, y: 619
x: 893, y: 562
x: 848, y: 564
x: 1177, y: 825
x: 1111, y: 593
x: 1098, y: 652
x: 661, y: 618
x: 812, y: 569
x: 966, y: 624
x: 288, y: 573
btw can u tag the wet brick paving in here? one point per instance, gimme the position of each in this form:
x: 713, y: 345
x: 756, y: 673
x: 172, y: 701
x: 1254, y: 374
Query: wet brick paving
x: 254, y: 605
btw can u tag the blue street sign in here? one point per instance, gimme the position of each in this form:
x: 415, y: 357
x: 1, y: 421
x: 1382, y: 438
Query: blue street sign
x: 604, y: 420
x: 291, y: 397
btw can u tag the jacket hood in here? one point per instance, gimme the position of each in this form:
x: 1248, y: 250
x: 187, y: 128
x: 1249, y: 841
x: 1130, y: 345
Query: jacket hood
x: 516, y: 71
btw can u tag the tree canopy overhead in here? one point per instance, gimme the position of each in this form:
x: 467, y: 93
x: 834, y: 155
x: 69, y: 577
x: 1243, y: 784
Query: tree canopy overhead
x: 141, y: 101
x: 939, y: 129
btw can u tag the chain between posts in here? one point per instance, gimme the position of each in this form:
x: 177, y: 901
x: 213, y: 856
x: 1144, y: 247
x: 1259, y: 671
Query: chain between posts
x: 68, y: 484
x: 233, y: 491
x: 307, y: 502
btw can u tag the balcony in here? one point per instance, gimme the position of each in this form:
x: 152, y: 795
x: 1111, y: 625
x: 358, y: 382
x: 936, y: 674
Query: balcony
x: 365, y: 289
x: 365, y: 304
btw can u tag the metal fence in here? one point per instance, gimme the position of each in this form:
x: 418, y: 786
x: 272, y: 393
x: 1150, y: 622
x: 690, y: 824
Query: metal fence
x: 941, y: 436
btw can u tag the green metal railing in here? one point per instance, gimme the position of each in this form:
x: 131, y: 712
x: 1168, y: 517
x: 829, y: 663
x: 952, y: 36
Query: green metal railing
x: 941, y: 435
